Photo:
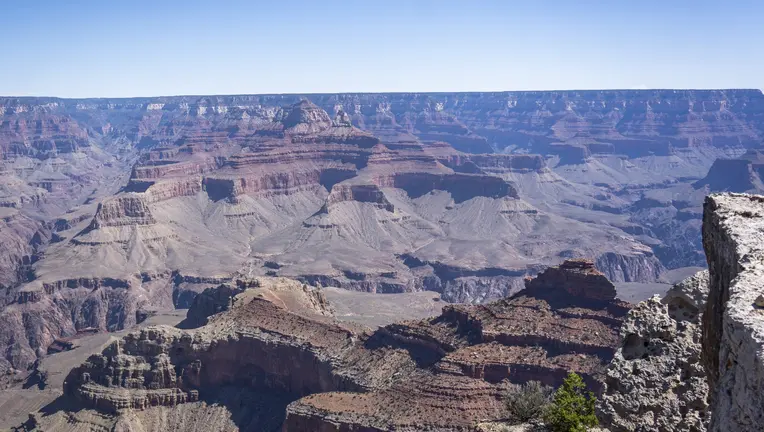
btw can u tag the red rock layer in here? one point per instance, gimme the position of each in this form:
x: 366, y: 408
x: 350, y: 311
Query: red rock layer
x: 307, y: 149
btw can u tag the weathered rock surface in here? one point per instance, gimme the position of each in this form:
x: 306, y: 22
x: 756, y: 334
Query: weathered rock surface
x: 733, y: 321
x: 579, y: 278
x: 656, y: 381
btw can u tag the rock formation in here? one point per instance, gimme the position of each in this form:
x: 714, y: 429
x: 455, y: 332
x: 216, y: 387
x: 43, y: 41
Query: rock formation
x: 578, y: 278
x: 469, y: 352
x: 656, y: 381
x: 741, y: 174
x: 112, y: 208
x: 444, y: 373
x: 296, y: 296
x: 733, y: 322
x: 661, y: 338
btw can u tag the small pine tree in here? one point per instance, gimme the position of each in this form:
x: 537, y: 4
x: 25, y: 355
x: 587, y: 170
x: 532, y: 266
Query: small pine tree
x: 572, y: 407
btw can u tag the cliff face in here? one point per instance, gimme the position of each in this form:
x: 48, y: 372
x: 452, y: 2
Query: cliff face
x: 699, y: 344
x: 41, y: 314
x: 17, y: 234
x: 733, y: 324
x: 629, y: 121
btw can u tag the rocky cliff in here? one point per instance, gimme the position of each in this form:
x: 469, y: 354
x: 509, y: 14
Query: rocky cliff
x: 566, y: 319
x: 733, y: 324
x: 692, y: 362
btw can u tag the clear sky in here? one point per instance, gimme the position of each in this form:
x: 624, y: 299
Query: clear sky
x: 167, y: 47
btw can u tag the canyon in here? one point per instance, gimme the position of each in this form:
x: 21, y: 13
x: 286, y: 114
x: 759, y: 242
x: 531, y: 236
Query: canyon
x: 271, y: 353
x: 277, y: 345
x: 118, y: 210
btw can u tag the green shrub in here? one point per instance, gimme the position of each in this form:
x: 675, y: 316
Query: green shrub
x: 572, y: 407
x: 528, y: 401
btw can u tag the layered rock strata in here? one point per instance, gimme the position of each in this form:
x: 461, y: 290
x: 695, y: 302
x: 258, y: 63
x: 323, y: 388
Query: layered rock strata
x: 445, y: 373
x: 468, y: 354
x: 302, y: 179
x: 343, y: 189
x: 269, y: 334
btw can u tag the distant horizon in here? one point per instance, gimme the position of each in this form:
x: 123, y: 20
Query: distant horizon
x: 191, y: 95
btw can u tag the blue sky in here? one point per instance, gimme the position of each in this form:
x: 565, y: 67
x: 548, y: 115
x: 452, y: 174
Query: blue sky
x: 166, y: 47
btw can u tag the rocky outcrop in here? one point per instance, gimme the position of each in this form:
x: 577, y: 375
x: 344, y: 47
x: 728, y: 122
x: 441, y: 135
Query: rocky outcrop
x: 360, y: 193
x: 656, y: 381
x: 306, y: 118
x: 277, y: 336
x: 209, y: 302
x: 742, y: 174
x: 269, y: 334
x: 298, y: 297
x: 578, y: 278
x: 470, y: 352
x: 570, y: 154
x: 733, y: 322
x: 461, y: 186
x: 641, y: 266
x: 122, y: 211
